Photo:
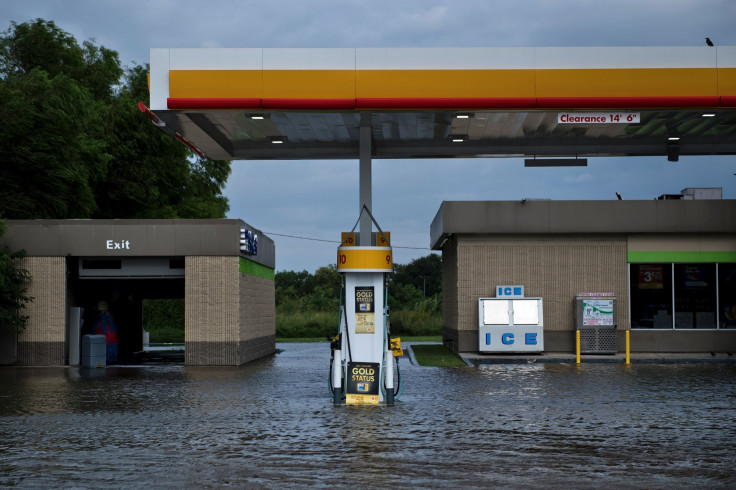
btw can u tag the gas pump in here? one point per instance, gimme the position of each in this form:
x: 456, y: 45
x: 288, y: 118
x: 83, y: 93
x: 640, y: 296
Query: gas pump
x: 364, y: 359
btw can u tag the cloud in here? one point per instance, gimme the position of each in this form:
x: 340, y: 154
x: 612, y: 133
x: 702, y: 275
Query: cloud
x: 577, y: 179
x: 318, y: 199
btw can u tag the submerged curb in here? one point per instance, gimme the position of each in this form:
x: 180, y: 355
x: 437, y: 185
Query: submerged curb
x: 410, y: 352
x: 479, y: 359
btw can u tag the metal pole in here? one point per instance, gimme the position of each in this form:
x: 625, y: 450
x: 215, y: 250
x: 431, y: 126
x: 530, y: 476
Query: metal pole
x: 337, y: 378
x: 388, y: 357
x: 365, y: 184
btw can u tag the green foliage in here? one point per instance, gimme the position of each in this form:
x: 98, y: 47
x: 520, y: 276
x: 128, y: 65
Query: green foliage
x: 163, y: 319
x: 52, y: 146
x: 40, y: 44
x: 166, y: 336
x: 151, y: 175
x: 75, y: 145
x: 307, y: 305
x: 404, y: 295
x: 424, y: 318
x: 303, y: 292
x: 436, y: 355
x: 13, y: 288
x: 313, y: 324
x: 424, y: 274
x: 328, y: 280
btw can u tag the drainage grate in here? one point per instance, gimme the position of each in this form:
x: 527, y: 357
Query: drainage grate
x: 598, y: 340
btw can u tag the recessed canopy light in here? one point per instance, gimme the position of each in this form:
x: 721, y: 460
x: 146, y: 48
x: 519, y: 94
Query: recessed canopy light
x: 709, y: 115
x: 463, y: 115
x: 257, y: 117
x: 277, y: 140
x: 674, y: 138
x: 458, y: 139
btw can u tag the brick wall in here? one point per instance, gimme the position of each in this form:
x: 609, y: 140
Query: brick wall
x: 449, y: 294
x: 43, y: 341
x: 257, y: 317
x: 553, y: 268
x: 212, y: 311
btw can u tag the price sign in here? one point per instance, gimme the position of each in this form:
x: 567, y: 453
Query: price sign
x: 598, y: 118
x: 651, y: 277
x: 348, y: 239
x: 364, y: 258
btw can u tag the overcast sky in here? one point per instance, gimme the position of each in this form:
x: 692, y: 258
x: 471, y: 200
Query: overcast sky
x: 318, y: 199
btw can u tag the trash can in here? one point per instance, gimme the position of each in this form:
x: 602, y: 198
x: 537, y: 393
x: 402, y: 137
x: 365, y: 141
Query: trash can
x: 595, y: 319
x: 94, y: 351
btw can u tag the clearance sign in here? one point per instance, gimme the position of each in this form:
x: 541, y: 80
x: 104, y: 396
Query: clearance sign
x: 362, y: 383
x: 598, y: 118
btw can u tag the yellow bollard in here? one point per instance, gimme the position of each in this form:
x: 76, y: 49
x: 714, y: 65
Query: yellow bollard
x: 628, y: 347
x: 577, y: 346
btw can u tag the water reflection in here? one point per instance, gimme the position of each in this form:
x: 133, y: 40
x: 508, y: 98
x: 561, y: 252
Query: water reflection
x: 272, y: 424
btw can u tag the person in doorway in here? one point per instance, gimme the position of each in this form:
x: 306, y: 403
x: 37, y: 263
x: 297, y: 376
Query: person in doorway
x: 105, y: 325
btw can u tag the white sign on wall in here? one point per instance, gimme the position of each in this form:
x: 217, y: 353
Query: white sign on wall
x: 117, y: 245
x: 598, y: 118
x: 597, y: 312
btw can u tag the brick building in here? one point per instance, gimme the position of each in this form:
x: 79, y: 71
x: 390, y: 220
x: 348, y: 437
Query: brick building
x: 670, y: 263
x: 224, y: 270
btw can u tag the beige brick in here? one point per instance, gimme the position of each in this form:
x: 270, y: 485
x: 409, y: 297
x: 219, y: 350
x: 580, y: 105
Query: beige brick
x: 554, y: 268
x: 42, y: 343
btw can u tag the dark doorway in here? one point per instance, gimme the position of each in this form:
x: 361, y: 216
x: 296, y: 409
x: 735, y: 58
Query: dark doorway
x: 124, y: 298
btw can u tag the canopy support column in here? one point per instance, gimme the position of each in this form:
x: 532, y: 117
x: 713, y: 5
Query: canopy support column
x: 365, y: 180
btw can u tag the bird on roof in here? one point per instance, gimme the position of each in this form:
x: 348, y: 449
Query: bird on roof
x: 708, y: 41
x: 619, y: 197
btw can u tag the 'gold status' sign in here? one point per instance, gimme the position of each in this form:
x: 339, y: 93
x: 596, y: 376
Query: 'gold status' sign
x: 362, y: 383
x: 365, y: 311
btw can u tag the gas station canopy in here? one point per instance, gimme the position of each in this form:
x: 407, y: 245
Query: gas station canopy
x: 241, y: 104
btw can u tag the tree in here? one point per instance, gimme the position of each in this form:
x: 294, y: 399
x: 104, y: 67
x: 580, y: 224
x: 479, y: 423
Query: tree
x: 40, y: 44
x: 74, y: 144
x: 13, y: 288
x: 52, y: 91
x: 151, y: 175
x: 329, y: 280
x: 52, y: 147
x: 291, y: 284
x: 424, y: 273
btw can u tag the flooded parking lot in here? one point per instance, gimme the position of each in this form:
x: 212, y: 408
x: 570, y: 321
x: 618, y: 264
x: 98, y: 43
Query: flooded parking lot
x: 271, y: 424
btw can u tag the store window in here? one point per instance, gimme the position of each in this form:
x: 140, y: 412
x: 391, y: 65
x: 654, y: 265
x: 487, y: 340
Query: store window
x: 683, y: 296
x: 727, y: 295
x: 651, y: 295
x: 695, y: 296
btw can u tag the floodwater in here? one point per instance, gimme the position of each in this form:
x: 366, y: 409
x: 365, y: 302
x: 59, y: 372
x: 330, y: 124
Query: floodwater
x: 271, y: 424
